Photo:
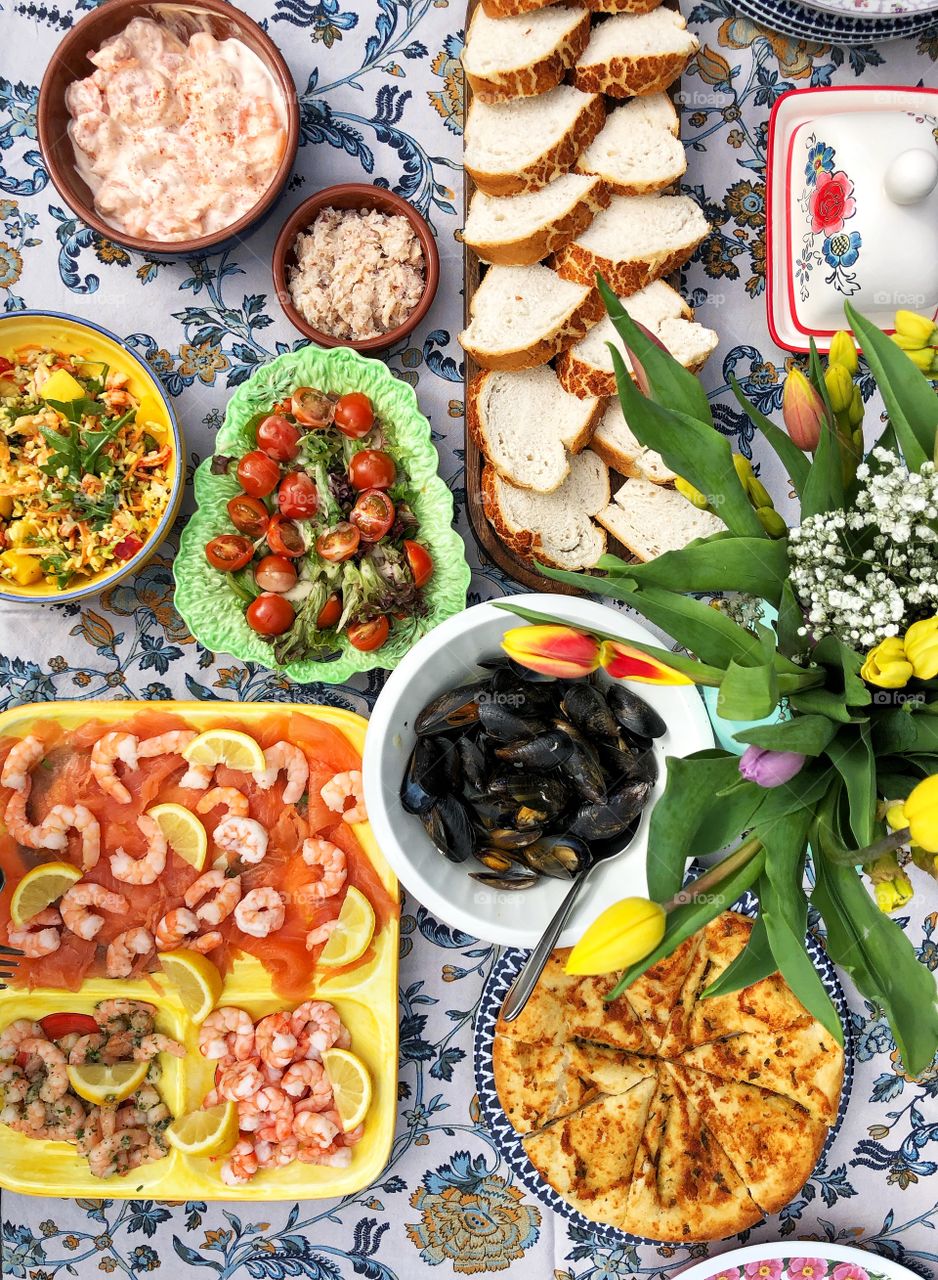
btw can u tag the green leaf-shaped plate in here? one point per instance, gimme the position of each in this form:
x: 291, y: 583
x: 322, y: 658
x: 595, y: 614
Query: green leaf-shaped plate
x: 213, y: 613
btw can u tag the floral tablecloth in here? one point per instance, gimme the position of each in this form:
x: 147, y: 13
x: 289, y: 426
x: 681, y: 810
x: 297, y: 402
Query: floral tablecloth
x: 380, y: 91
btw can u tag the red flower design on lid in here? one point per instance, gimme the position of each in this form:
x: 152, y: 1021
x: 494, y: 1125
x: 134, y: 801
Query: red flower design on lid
x: 831, y: 203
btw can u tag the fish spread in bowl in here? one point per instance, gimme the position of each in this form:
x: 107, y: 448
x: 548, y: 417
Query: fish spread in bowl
x: 176, y: 140
x: 359, y: 273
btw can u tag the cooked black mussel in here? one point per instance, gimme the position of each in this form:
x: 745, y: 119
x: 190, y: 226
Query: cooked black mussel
x: 582, y: 766
x: 529, y: 817
x: 523, y: 698
x: 517, y: 878
x: 472, y: 763
x: 501, y: 721
x: 496, y: 860
x: 452, y: 709
x: 633, y: 713
x: 505, y: 663
x: 448, y: 826
x: 544, y: 751
x: 562, y: 857
x: 585, y: 706
x: 620, y: 764
x: 493, y: 811
x: 423, y: 778
x: 508, y: 838
x: 608, y: 818
x: 544, y: 790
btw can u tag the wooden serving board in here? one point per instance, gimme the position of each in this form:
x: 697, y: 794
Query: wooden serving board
x: 486, y: 537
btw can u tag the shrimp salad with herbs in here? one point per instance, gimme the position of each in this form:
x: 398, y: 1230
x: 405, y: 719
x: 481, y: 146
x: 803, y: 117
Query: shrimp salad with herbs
x: 84, y: 480
x: 41, y: 1070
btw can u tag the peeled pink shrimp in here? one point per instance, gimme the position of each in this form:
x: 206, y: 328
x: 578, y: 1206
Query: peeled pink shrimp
x: 124, y: 948
x: 76, y: 904
x: 227, y: 895
x: 180, y: 928
x: 55, y: 1063
x: 14, y: 1034
x: 241, y: 1165
x: 64, y: 817
x: 260, y: 912
x: 314, y: 1127
x: 23, y: 758
x: 308, y: 1081
x: 331, y: 860
x: 284, y: 755
x: 240, y: 1081
x: 24, y: 832
x: 145, y: 870
x: 275, y: 1040
x: 317, y: 1027
x: 246, y: 838
x: 322, y: 933
x: 106, y: 752
x: 275, y: 1112
x: 39, y: 936
x: 227, y: 1032
x: 339, y: 790
x: 173, y: 743
x: 235, y: 801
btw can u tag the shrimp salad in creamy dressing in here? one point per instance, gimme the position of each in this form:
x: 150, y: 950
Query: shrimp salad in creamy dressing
x: 175, y: 141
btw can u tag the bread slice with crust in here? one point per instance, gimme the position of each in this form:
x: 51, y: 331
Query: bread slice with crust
x: 525, y: 143
x: 635, y: 53
x: 525, y: 422
x: 554, y: 528
x: 517, y: 57
x: 637, y: 151
x: 519, y: 230
x: 621, y: 451
x: 521, y: 317
x: 636, y: 240
x: 650, y: 519
x: 505, y: 8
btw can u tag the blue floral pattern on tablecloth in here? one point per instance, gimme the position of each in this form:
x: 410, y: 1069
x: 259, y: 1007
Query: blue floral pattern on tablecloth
x: 381, y: 97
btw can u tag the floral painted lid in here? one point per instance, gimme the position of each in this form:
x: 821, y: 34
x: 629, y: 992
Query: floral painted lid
x: 798, y: 1260
x: 853, y: 211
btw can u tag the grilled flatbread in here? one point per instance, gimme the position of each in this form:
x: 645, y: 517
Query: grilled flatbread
x: 684, y: 1186
x: 803, y: 1063
x: 771, y: 1141
x: 655, y: 993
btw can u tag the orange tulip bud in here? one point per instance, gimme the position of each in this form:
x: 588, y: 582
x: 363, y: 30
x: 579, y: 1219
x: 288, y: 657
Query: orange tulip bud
x: 553, y: 650
x: 623, y: 662
x: 803, y: 411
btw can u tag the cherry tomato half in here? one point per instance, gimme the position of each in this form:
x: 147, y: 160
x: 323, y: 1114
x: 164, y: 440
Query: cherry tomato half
x: 311, y: 407
x: 373, y: 514
x: 278, y: 438
x: 369, y: 636
x: 297, y: 497
x: 338, y: 543
x: 330, y: 613
x: 275, y: 573
x: 284, y: 538
x: 229, y: 552
x: 57, y: 1025
x: 248, y: 515
x: 127, y: 548
x: 354, y: 414
x: 372, y: 469
x: 258, y: 474
x: 270, y: 615
x: 420, y: 561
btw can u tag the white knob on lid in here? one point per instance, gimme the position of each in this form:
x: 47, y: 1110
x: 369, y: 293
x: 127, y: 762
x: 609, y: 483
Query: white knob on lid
x: 912, y: 176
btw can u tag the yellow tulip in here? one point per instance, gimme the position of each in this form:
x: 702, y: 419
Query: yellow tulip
x: 921, y: 814
x: 921, y: 648
x: 914, y: 327
x: 887, y: 665
x: 843, y: 352
x: 855, y: 412
x: 687, y: 490
x: 772, y: 522
x: 894, y: 890
x: 553, y: 650
x: 802, y: 410
x: 839, y: 386
x: 895, y: 817
x: 622, y: 935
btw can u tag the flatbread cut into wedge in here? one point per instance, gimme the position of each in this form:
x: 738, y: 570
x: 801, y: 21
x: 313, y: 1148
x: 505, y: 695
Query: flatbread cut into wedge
x: 772, y: 1142
x: 684, y: 1186
x: 655, y: 993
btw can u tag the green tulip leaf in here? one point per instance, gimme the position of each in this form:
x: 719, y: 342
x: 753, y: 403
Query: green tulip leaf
x: 789, y: 623
x: 852, y: 756
x: 753, y: 963
x: 791, y: 457
x: 722, y: 562
x: 807, y: 734
x: 908, y: 395
x: 748, y: 693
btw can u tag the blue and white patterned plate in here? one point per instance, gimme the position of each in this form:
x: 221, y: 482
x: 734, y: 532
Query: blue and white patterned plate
x: 839, y: 28
x: 509, y: 1143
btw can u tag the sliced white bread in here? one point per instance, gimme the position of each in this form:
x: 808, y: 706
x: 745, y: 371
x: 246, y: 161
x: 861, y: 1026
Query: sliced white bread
x: 525, y: 422
x: 637, y: 150
x: 586, y: 369
x: 505, y: 8
x: 634, y: 241
x: 519, y: 230
x: 556, y: 528
x: 635, y: 53
x: 623, y: 452
x: 519, y: 56
x: 524, y: 144
x: 521, y: 317
x: 650, y: 519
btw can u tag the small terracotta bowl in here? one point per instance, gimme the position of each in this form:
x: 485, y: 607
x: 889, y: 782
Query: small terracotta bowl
x: 354, y: 195
x: 70, y: 62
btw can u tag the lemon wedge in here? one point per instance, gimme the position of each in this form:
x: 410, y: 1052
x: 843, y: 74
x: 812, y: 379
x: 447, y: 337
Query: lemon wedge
x: 195, y: 980
x: 183, y: 831
x: 351, y: 1085
x: 41, y: 887
x: 103, y: 1082
x: 211, y: 1132
x: 352, y: 935
x: 226, y: 746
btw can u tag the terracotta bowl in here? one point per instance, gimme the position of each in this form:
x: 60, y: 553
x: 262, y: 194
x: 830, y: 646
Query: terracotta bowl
x: 354, y: 195
x: 70, y: 62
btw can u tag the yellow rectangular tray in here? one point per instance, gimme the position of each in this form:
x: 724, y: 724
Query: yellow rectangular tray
x: 366, y: 999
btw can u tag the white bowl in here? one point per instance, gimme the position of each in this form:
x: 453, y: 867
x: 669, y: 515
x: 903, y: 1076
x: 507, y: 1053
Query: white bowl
x: 446, y: 657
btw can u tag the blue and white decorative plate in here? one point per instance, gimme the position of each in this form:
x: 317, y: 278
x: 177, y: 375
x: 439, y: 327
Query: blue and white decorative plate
x: 840, y: 27
x: 509, y: 1144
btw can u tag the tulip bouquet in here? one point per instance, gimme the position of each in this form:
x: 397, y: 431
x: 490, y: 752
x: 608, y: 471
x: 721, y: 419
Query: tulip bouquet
x: 842, y: 789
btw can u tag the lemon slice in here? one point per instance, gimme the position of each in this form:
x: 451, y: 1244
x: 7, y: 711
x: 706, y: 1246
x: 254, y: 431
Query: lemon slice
x: 226, y: 746
x: 183, y: 831
x: 351, y: 1085
x: 195, y: 980
x: 102, y: 1082
x: 354, y: 932
x: 211, y: 1132
x: 40, y: 887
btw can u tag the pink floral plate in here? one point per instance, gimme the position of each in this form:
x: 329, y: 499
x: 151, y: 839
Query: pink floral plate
x: 798, y: 1260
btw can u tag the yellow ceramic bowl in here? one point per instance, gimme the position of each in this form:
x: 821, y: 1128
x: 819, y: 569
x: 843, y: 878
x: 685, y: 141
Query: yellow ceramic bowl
x: 365, y: 996
x: 51, y: 329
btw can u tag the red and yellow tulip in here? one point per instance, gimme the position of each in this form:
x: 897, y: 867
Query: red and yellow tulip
x: 623, y: 662
x: 568, y: 653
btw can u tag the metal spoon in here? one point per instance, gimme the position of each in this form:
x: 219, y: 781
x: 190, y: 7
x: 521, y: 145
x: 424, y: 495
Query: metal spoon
x: 520, y: 990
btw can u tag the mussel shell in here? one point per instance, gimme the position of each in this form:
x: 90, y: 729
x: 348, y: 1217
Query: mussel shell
x: 584, y: 706
x: 518, y: 880
x: 422, y: 778
x: 451, y: 709
x: 633, y: 713
x: 501, y: 721
x: 521, y: 673
x: 539, y: 790
x: 472, y: 763
x: 509, y: 838
x: 522, y: 696
x: 448, y: 826
x: 582, y: 766
x: 621, y: 764
x: 544, y: 751
x: 562, y: 857
x: 609, y: 818
x: 495, y: 860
